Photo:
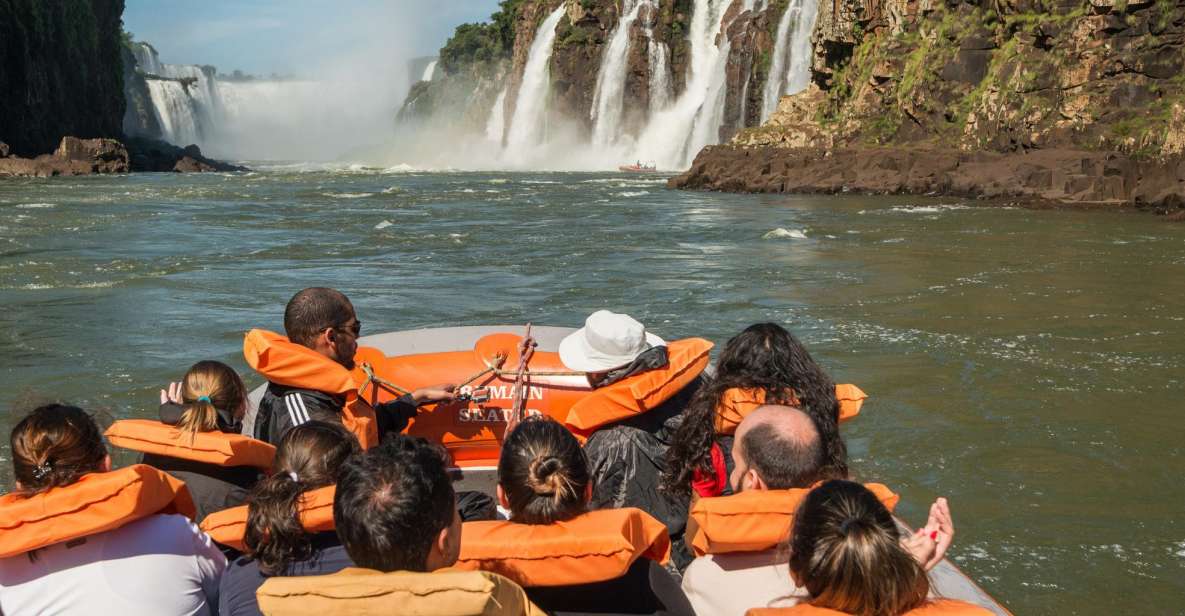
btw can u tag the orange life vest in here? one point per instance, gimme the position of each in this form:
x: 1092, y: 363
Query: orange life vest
x: 736, y: 404
x: 755, y: 520
x: 218, y: 448
x: 473, y: 431
x: 96, y: 503
x: 640, y: 393
x: 593, y: 547
x: 292, y: 365
x: 228, y: 526
x: 940, y: 607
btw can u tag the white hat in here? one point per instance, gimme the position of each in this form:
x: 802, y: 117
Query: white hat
x: 608, y: 340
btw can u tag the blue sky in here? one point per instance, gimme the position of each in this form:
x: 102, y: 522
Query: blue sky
x: 297, y: 36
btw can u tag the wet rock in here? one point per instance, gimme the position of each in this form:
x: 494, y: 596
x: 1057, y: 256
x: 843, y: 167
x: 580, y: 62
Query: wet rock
x: 153, y: 155
x: 1049, y: 177
x: 73, y: 156
x: 3, y: 150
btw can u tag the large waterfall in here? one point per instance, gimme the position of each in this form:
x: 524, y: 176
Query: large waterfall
x: 609, y: 96
x: 791, y: 62
x: 185, y: 98
x: 528, y: 124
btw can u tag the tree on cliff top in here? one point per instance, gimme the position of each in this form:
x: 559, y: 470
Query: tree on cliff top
x: 481, y: 43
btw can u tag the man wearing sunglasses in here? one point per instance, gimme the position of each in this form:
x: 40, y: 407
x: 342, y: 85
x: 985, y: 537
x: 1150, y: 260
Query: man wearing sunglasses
x: 323, y: 320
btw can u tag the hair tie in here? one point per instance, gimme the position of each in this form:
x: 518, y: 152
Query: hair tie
x: 293, y: 475
x: 42, y: 470
x: 205, y: 399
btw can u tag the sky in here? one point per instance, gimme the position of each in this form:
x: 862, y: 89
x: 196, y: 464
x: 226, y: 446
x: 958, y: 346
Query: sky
x: 297, y: 36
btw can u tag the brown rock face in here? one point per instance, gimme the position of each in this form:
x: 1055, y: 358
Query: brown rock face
x: 1072, y: 177
x: 73, y: 157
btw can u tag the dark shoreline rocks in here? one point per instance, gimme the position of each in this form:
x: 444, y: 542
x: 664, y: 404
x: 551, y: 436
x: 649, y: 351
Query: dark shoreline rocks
x: 1062, y: 178
x: 76, y: 156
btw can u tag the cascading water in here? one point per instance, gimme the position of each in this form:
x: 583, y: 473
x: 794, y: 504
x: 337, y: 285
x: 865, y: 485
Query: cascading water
x: 496, y: 125
x: 530, y: 110
x: 429, y: 71
x: 609, y: 95
x: 789, y: 70
x: 175, y: 111
x: 669, y: 136
x: 185, y: 98
x: 658, y: 56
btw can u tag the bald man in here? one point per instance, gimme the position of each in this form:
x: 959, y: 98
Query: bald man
x: 776, y: 448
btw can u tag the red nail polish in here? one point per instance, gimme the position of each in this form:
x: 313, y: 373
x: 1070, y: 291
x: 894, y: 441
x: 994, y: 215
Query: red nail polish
x: 934, y: 536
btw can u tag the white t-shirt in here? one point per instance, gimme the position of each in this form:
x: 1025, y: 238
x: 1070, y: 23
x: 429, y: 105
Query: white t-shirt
x: 730, y: 584
x: 159, y: 565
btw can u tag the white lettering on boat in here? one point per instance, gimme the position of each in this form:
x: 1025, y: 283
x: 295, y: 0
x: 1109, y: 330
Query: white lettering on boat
x: 489, y: 414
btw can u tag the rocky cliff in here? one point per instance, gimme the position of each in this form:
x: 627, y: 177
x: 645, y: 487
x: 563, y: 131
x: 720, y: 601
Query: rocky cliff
x: 628, y: 63
x: 60, y: 72
x: 980, y: 79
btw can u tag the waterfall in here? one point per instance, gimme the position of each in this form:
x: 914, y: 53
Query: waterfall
x: 429, y: 71
x: 658, y: 56
x: 609, y: 95
x: 789, y: 70
x: 146, y: 58
x: 496, y: 125
x: 529, y: 120
x: 668, y: 139
x: 175, y: 110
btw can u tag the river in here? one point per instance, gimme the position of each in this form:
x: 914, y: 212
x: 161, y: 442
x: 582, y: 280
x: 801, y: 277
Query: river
x: 1026, y: 364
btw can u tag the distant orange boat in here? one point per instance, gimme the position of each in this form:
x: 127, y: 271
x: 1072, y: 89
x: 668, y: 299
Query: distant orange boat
x: 638, y: 168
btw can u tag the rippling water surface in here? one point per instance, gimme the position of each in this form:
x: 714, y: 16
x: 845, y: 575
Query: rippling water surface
x: 1026, y: 364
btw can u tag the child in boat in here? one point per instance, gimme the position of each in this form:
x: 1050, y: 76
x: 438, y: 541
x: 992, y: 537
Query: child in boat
x: 543, y: 478
x: 210, y: 398
x: 845, y: 550
x: 307, y: 459
x: 767, y: 358
x: 148, y: 563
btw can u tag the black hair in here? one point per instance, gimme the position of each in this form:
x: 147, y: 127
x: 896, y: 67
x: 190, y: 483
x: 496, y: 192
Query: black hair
x: 392, y: 502
x: 783, y: 463
x: 767, y: 357
x: 308, y: 458
x: 543, y: 472
x: 314, y: 310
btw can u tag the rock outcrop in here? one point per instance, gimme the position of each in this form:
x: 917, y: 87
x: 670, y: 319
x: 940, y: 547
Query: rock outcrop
x: 156, y: 155
x: 60, y: 72
x: 73, y: 156
x: 1063, y: 100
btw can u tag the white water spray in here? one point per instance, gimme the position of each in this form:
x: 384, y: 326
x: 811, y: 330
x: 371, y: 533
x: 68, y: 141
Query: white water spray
x: 789, y: 70
x: 530, y: 111
x: 496, y: 125
x: 609, y: 95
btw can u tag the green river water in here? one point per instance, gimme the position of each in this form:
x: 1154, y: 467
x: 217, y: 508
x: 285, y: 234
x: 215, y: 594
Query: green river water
x: 1026, y: 364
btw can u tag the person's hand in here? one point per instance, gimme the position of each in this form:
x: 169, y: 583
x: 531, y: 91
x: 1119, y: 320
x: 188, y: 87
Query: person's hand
x: 172, y: 394
x: 928, y: 544
x: 435, y: 393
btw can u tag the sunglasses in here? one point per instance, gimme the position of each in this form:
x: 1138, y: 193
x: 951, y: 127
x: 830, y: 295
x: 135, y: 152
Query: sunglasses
x: 355, y: 329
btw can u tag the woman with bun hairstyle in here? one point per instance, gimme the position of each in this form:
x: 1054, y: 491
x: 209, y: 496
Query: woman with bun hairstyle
x: 276, y: 543
x: 846, y: 551
x: 543, y: 479
x: 210, y: 398
x: 767, y: 358
x: 146, y: 562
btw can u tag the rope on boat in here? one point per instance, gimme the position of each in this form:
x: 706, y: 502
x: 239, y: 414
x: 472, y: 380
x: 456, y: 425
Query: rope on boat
x: 526, y: 350
x: 493, y: 368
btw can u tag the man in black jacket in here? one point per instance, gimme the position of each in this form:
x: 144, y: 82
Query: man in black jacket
x: 323, y: 320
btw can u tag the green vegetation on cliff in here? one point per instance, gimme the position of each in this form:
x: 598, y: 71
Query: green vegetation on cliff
x: 60, y: 72
x: 481, y: 43
x: 1004, y: 76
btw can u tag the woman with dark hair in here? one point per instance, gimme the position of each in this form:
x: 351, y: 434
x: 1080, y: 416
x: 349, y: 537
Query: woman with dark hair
x: 846, y: 551
x: 275, y: 542
x: 79, y: 537
x: 544, y: 482
x: 769, y: 362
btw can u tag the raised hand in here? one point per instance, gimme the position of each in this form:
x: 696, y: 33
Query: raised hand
x: 172, y: 394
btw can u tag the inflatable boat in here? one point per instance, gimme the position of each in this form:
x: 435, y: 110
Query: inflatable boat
x: 483, y: 360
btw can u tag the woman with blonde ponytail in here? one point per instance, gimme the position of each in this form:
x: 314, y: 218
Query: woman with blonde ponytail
x: 211, y: 398
x: 544, y: 479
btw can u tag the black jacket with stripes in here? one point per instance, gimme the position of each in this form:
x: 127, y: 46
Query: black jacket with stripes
x: 283, y: 408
